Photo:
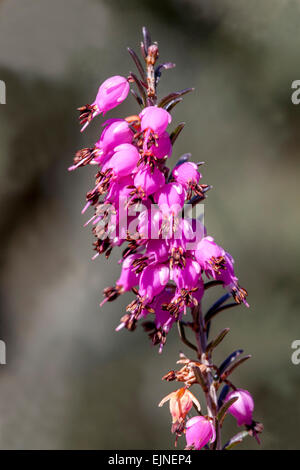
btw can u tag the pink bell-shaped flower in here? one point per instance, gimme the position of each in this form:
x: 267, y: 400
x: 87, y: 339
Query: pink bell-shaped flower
x: 242, y: 408
x: 123, y: 161
x: 170, y: 199
x: 210, y: 256
x: 116, y: 132
x: 148, y: 181
x: 157, y: 250
x: 199, y: 432
x: 163, y: 318
x: 153, y: 280
x: 186, y: 174
x: 163, y: 147
x: 188, y: 276
x: 155, y: 119
x: 119, y: 191
x: 128, y: 278
x: 110, y: 94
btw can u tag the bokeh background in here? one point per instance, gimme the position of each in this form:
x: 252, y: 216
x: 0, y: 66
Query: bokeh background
x: 70, y: 381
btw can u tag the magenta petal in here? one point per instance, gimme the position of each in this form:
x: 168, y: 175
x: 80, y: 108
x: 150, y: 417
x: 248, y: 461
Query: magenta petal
x: 199, y: 432
x: 241, y: 409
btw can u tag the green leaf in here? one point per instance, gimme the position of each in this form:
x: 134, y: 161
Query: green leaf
x: 236, y: 440
x: 176, y: 132
x: 172, y: 96
x: 213, y: 344
x: 138, y: 64
x: 234, y: 366
x: 224, y: 408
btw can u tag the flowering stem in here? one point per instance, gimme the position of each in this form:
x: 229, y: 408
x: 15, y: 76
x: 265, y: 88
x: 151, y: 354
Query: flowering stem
x: 151, y: 58
x: 184, y: 338
x: 164, y: 272
x: 209, y: 390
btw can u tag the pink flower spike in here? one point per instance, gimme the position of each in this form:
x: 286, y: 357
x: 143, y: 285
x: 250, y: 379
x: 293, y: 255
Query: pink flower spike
x: 155, y: 119
x: 199, y: 432
x: 242, y: 408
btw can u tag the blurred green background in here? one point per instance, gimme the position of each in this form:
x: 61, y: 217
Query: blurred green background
x: 70, y: 380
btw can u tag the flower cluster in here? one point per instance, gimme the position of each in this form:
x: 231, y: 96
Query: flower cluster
x: 169, y: 260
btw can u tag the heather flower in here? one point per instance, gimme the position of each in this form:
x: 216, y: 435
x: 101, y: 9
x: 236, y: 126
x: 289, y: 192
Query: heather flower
x: 123, y: 161
x: 199, y: 432
x: 188, y: 276
x: 153, y: 280
x: 210, y: 256
x: 110, y: 94
x: 218, y: 264
x: 147, y: 181
x: 162, y: 147
x: 157, y: 251
x: 181, y: 402
x: 119, y: 190
x: 242, y: 408
x: 187, y: 174
x: 155, y: 119
x: 163, y: 321
x: 115, y: 132
x: 170, y: 198
x: 128, y: 279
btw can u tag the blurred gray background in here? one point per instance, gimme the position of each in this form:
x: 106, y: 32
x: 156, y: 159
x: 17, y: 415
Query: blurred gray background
x: 70, y: 380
